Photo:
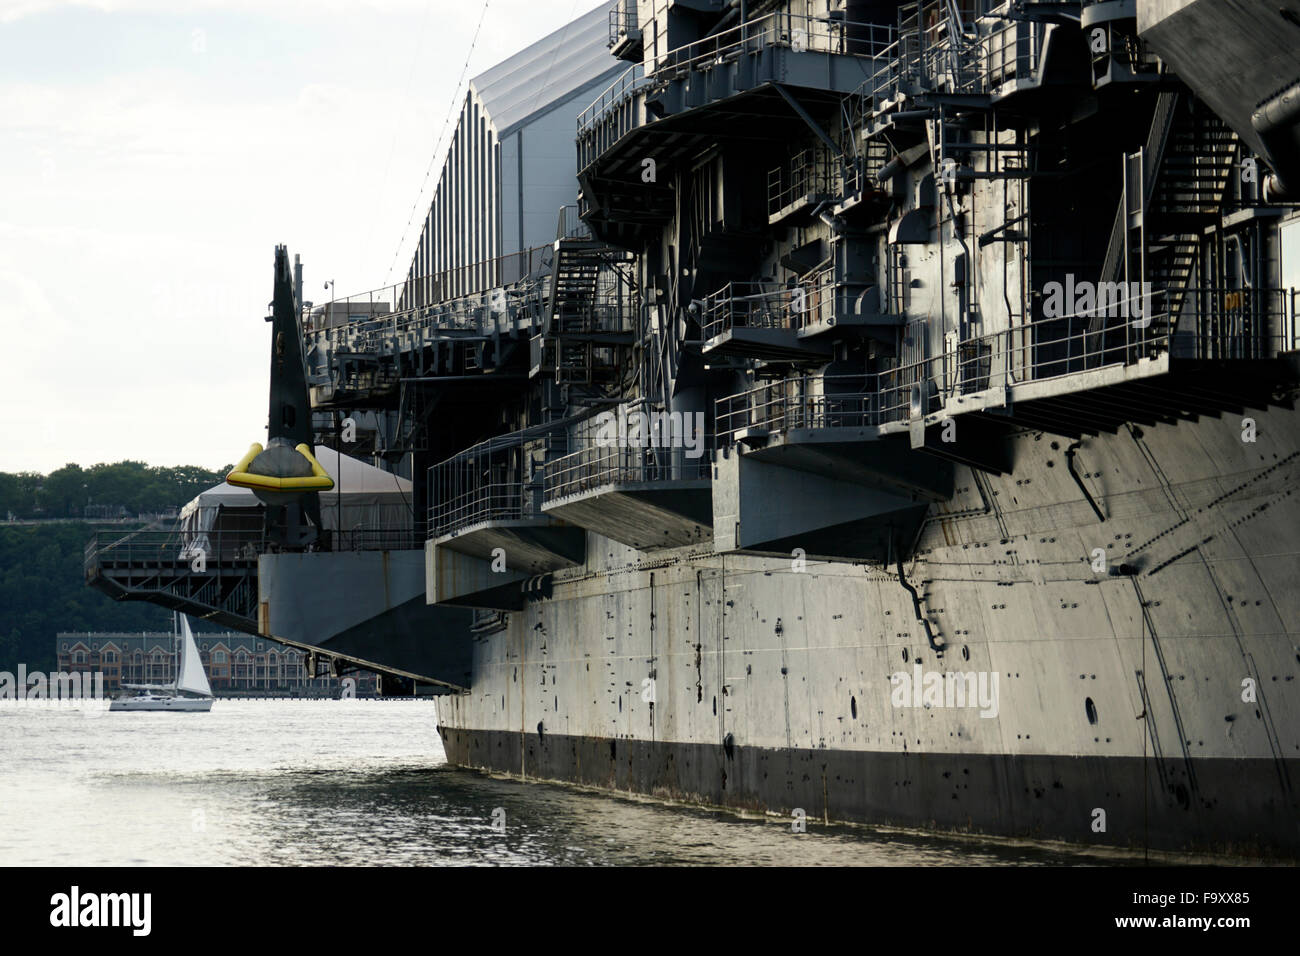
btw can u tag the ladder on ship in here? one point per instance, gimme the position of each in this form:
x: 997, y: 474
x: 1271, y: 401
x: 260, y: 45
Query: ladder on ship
x: 1174, y: 187
x: 1188, y: 196
x: 574, y: 280
x: 590, y: 310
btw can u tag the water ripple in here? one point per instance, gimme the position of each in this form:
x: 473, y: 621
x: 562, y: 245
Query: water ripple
x: 335, y: 783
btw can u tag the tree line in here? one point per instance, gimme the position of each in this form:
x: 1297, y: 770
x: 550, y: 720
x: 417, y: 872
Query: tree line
x: 43, y: 591
x: 103, y: 490
x: 42, y: 578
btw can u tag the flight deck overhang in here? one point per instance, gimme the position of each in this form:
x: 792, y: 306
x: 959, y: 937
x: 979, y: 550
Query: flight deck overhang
x: 643, y: 515
x: 646, y: 498
x: 361, y: 608
x: 498, y: 564
x: 534, y: 545
x: 486, y: 525
x: 887, y: 463
x: 163, y: 568
x: 844, y: 476
x: 494, y: 564
x: 366, y: 608
x: 764, y: 507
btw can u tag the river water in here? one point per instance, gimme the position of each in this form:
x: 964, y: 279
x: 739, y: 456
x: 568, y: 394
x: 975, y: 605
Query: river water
x: 288, y: 782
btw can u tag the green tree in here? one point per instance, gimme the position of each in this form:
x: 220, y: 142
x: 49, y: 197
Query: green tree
x: 43, y: 592
x: 64, y: 492
x: 132, y: 485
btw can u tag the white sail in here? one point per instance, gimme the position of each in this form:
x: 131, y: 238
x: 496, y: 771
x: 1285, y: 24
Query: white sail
x: 190, y: 676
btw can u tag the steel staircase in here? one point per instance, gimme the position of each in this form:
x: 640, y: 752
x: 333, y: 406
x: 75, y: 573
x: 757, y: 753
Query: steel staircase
x: 1188, y: 196
x: 573, y: 286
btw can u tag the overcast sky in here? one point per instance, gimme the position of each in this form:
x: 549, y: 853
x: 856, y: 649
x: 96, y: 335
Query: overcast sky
x: 152, y: 154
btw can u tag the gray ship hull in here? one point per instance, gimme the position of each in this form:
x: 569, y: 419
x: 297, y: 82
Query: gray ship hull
x: 1150, y: 703
x: 1037, y: 797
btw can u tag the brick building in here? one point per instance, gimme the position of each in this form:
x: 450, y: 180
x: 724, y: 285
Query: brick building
x: 236, y: 664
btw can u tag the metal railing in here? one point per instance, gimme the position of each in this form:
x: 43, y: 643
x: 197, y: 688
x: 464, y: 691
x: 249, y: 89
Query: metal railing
x: 1009, y: 52
x: 766, y: 305
x: 612, y: 308
x: 599, y: 466
x: 386, y: 320
x: 211, y: 551
x: 212, y: 574
x: 1124, y: 48
x: 796, y: 32
x: 1211, y: 324
x: 997, y: 360
x: 749, y: 305
x: 622, y: 21
x: 1217, y: 323
x: 809, y: 175
x: 822, y: 300
x: 175, y: 548
x: 466, y: 495
x: 856, y: 174
x: 927, y: 61
x: 370, y: 539
x: 496, y: 480
x: 404, y: 304
x: 382, y: 321
x: 809, y: 401
x: 611, y: 115
x: 570, y: 226
x: 593, y: 291
x: 622, y: 89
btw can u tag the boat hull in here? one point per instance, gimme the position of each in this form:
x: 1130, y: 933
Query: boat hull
x: 1152, y: 703
x: 187, y: 705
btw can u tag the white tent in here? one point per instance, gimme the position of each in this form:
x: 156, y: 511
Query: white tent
x: 228, y: 520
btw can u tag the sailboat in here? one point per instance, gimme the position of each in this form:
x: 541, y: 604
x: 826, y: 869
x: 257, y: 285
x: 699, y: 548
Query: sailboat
x: 189, y: 693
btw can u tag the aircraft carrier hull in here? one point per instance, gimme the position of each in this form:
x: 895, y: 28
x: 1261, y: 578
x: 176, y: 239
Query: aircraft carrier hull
x: 1151, y: 703
x: 1025, y: 797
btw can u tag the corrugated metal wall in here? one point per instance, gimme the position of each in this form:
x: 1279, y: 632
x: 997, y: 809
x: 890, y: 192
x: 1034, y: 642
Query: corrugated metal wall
x: 511, y: 163
x: 461, y: 234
